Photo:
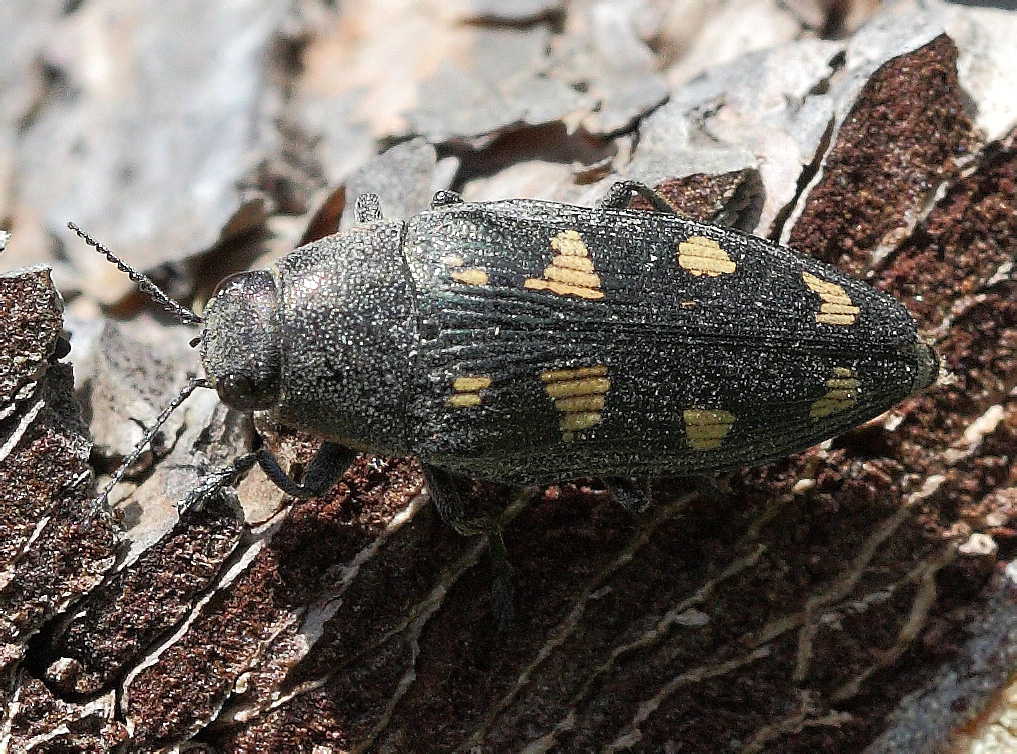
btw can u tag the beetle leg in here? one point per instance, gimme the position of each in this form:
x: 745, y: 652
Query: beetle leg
x: 629, y: 494
x: 213, y: 483
x: 709, y: 488
x: 617, y: 197
x: 323, y: 472
x: 444, y: 199
x: 446, y: 499
x: 502, y: 602
x: 367, y: 208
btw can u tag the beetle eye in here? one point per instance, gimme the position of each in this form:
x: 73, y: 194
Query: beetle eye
x: 237, y: 391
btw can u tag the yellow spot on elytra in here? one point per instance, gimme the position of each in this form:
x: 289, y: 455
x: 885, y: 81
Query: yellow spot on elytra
x: 703, y: 256
x: 562, y: 289
x: 470, y: 277
x: 570, y: 272
x: 581, y: 403
x: 574, y: 278
x: 466, y: 391
x: 706, y: 428
x: 574, y: 422
x: 570, y: 244
x: 572, y: 388
x: 583, y: 264
x: 564, y: 374
x: 471, y: 384
x: 836, y: 307
x: 464, y: 400
x: 841, y: 394
x: 578, y: 396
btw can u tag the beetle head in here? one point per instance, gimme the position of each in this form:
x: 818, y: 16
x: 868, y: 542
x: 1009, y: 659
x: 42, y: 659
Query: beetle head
x: 240, y: 345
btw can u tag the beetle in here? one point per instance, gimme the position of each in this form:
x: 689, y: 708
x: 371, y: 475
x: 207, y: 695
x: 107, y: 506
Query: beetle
x: 530, y: 342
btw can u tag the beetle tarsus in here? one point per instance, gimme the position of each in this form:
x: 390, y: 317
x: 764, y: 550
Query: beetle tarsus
x: 214, y: 482
x: 629, y: 494
x: 618, y: 196
x: 444, y: 198
x: 446, y: 499
x: 502, y: 603
x: 709, y: 488
x: 328, y: 464
x: 367, y: 208
x: 442, y: 489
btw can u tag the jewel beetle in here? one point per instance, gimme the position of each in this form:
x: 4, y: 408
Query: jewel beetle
x: 530, y: 342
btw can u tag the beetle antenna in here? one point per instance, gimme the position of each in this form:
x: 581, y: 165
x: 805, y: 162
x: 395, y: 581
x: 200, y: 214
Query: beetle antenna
x: 102, y: 501
x: 182, y: 313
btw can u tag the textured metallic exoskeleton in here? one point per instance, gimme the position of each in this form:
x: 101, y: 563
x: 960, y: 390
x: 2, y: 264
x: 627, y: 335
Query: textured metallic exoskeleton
x: 528, y: 342
x: 524, y: 341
